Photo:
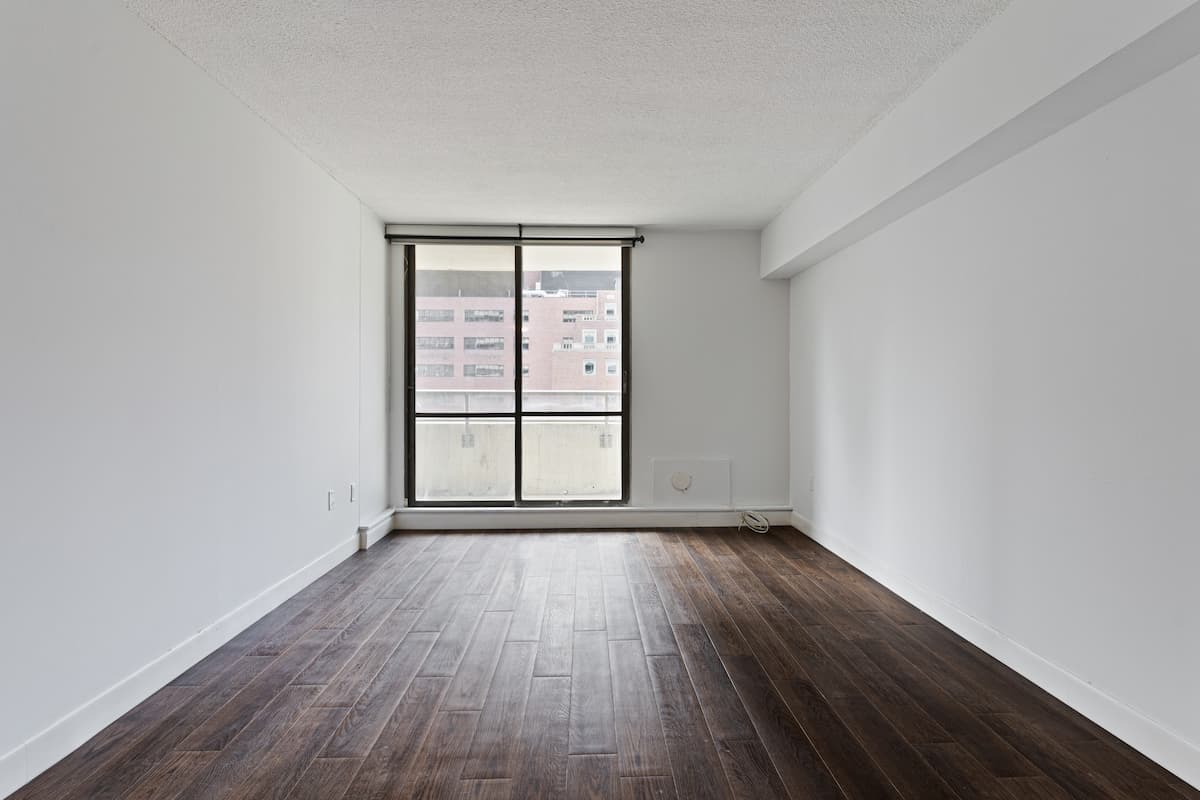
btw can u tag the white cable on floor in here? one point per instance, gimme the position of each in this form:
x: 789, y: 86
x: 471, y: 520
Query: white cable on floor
x: 754, y: 521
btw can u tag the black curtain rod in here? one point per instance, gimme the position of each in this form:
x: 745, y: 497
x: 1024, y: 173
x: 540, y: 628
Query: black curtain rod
x: 435, y: 239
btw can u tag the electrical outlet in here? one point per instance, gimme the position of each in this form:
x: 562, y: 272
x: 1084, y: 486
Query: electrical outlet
x: 332, y: 499
x: 353, y: 492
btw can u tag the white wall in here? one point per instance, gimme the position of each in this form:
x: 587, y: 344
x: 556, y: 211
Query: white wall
x: 709, y: 363
x: 374, y: 489
x: 709, y: 375
x: 179, y: 346
x: 997, y: 396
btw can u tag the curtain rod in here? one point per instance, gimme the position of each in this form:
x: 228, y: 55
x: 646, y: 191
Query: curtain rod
x: 623, y: 241
x: 514, y: 234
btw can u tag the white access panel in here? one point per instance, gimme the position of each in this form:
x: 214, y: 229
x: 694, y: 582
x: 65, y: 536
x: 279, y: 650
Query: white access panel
x: 702, y: 482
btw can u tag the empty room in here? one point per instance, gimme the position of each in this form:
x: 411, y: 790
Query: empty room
x: 636, y: 400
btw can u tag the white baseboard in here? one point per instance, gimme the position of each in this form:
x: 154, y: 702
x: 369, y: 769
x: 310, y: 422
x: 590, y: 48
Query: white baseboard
x: 28, y: 760
x: 376, y: 529
x: 549, y: 518
x: 1155, y: 741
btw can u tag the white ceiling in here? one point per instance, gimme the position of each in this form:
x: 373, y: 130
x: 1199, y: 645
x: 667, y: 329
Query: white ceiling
x: 678, y: 112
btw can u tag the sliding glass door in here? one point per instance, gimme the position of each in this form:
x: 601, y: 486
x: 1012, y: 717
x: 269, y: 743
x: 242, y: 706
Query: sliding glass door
x: 462, y: 397
x: 517, y: 361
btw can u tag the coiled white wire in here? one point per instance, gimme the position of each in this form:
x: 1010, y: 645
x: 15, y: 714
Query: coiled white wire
x: 754, y: 521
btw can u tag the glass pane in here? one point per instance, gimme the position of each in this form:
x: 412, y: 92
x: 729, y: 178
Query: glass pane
x: 571, y: 458
x: 458, y: 459
x: 571, y: 328
x: 463, y: 349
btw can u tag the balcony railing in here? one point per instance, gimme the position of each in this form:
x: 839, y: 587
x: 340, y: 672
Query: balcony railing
x: 482, y: 401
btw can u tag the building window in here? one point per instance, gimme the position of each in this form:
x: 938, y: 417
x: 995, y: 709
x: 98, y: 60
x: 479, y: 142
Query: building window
x: 589, y: 367
x: 610, y: 338
x: 435, y: 342
x: 524, y: 342
x: 435, y: 315
x: 524, y: 315
x: 483, y: 342
x: 483, y: 315
x: 589, y: 337
x: 611, y: 367
x: 435, y: 370
x: 524, y: 371
x: 483, y: 370
x: 578, y: 314
x: 610, y: 310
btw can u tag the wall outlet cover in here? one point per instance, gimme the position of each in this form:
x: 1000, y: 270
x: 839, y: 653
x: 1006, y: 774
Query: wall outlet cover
x: 691, y: 482
x: 681, y: 481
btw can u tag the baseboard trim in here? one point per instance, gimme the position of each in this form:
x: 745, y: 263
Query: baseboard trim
x: 25, y: 762
x: 544, y: 518
x: 1156, y: 742
x: 376, y: 529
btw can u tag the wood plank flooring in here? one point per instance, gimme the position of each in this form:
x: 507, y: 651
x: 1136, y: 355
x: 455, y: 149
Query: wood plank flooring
x: 658, y: 664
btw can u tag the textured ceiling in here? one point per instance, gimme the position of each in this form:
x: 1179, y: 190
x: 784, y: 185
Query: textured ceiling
x: 680, y: 112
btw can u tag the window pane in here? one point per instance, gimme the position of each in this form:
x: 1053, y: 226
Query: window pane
x: 571, y: 458
x: 571, y: 321
x: 463, y: 330
x: 458, y: 459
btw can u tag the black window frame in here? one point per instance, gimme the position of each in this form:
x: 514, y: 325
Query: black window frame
x: 518, y: 415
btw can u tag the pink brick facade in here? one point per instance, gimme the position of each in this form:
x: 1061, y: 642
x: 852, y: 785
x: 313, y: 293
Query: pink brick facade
x: 573, y: 343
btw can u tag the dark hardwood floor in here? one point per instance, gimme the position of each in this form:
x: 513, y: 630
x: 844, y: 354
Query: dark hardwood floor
x: 662, y: 664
